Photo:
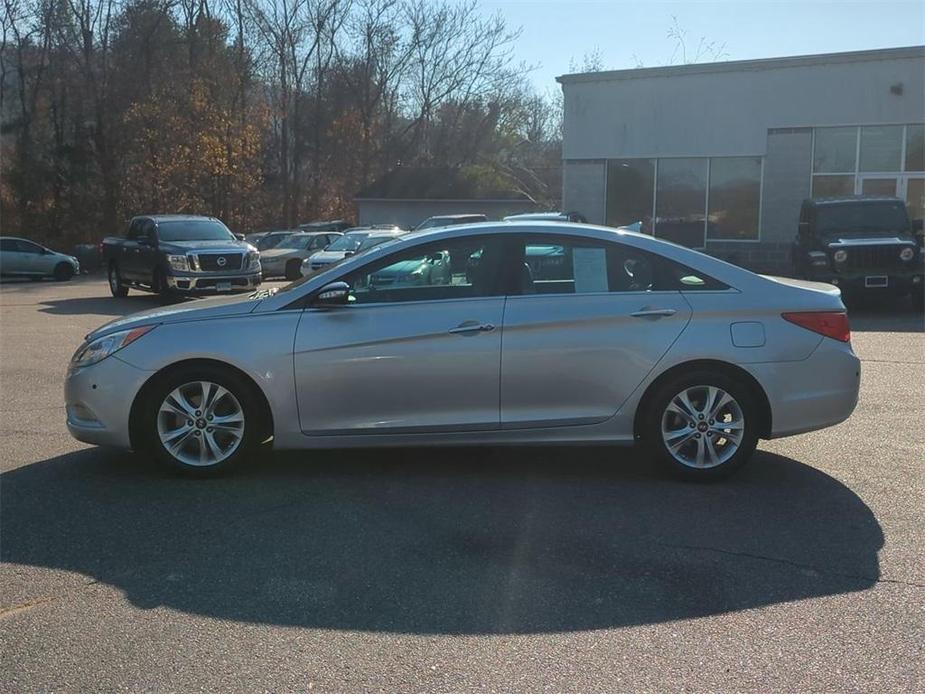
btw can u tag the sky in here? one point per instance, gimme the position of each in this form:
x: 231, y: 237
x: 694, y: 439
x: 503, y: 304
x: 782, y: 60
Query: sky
x: 559, y: 32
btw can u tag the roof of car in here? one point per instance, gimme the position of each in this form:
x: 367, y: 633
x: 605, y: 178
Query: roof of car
x: 386, y: 232
x: 176, y: 217
x: 312, y: 233
x: 471, y: 215
x: 537, y: 216
x: 848, y: 199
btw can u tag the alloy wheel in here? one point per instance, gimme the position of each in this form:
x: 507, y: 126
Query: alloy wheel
x: 200, y: 423
x: 703, y: 426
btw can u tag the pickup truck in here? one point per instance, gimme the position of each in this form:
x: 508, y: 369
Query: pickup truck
x: 180, y: 255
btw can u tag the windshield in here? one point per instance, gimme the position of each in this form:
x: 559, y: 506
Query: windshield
x: 295, y: 242
x: 348, y: 242
x: 194, y: 230
x: 888, y: 216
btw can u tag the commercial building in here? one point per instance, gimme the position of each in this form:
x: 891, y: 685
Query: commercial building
x: 720, y: 156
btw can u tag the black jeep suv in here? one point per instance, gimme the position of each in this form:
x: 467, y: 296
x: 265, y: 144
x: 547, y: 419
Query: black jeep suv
x: 860, y: 243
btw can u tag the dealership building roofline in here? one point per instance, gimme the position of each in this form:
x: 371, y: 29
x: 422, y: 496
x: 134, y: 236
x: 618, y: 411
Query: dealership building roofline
x: 745, y: 65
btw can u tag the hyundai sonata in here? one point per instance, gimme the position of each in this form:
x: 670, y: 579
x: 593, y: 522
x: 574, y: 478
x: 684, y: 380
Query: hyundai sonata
x: 530, y: 333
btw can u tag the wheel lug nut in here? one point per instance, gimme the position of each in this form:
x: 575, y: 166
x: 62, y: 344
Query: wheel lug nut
x: 209, y: 430
x: 197, y: 432
x: 189, y: 423
x: 198, y: 413
x: 210, y: 418
x: 692, y: 424
x: 699, y: 416
x: 709, y: 433
x: 712, y: 422
x: 696, y: 436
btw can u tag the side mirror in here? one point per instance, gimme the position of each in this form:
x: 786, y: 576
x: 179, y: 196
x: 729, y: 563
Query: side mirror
x: 917, y: 225
x: 332, y: 295
x: 145, y: 241
x: 803, y: 229
x: 239, y: 237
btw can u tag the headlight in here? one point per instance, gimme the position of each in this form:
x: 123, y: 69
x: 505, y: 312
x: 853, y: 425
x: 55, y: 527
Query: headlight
x: 818, y: 258
x: 253, y: 260
x: 840, y: 256
x: 100, y: 348
x: 178, y: 262
x: 907, y: 254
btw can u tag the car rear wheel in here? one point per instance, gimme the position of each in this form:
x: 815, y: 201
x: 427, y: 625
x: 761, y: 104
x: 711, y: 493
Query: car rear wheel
x: 202, y: 420
x: 116, y: 287
x: 702, y: 425
x: 293, y: 269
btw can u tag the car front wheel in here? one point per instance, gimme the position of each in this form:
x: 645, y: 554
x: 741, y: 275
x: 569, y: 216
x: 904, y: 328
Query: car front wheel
x: 202, y: 420
x: 703, y: 425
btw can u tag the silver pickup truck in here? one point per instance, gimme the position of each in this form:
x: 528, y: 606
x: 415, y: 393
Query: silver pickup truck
x: 180, y: 255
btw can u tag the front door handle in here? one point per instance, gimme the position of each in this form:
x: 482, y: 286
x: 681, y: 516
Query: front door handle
x: 649, y: 312
x: 470, y: 327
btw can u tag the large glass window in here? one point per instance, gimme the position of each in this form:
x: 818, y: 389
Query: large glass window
x: 735, y: 191
x: 835, y: 150
x: 630, y: 187
x: 881, y: 147
x: 915, y: 147
x: 680, y: 201
x: 453, y: 269
x: 832, y: 186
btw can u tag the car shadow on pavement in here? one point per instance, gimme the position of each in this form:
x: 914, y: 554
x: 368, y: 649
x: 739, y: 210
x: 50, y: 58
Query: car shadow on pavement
x: 102, y: 305
x: 459, y: 541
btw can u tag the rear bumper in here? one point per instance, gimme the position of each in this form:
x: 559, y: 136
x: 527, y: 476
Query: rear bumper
x: 815, y: 393
x: 208, y: 284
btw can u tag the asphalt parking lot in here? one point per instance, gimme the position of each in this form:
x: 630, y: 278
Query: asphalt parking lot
x: 548, y: 569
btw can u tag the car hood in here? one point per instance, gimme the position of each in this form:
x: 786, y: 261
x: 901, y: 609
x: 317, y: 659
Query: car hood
x: 327, y: 256
x: 850, y: 242
x: 209, y: 246
x: 192, y: 310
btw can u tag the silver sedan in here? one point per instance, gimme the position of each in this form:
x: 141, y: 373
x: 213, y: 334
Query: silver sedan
x: 538, y: 333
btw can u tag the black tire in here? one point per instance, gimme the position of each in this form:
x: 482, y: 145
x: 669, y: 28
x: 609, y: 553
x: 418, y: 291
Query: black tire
x: 655, y: 409
x: 243, y: 391
x: 159, y: 286
x: 293, y: 270
x: 116, y: 287
x: 63, y: 272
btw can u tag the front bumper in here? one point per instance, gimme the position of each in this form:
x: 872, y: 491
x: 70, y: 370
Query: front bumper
x: 209, y: 284
x: 98, y: 399
x: 872, y: 280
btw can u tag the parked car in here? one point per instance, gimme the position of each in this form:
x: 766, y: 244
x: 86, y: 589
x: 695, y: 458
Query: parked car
x: 285, y: 260
x: 353, y: 241
x: 180, y: 255
x: 429, y: 270
x: 265, y: 240
x: 336, y: 225
x: 447, y: 220
x: 642, y: 341
x: 862, y: 244
x: 547, y: 217
x: 24, y: 258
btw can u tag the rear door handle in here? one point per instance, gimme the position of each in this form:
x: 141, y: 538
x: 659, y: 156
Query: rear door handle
x: 470, y: 327
x: 648, y: 312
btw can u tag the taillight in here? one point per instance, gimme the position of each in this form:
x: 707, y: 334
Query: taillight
x: 832, y: 324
